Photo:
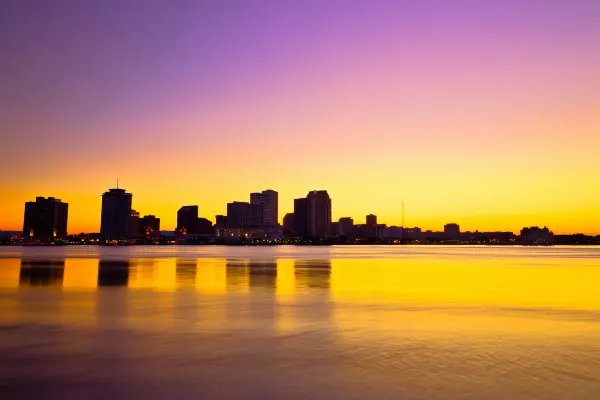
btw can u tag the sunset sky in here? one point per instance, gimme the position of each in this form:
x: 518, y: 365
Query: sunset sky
x: 484, y: 113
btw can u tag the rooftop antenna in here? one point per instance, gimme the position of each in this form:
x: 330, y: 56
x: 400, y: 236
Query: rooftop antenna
x: 403, y: 215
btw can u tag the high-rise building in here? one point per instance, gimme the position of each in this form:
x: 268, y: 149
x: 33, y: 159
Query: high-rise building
x: 269, y: 200
x: 241, y: 214
x: 346, y: 226
x: 318, y: 213
x: 187, y: 218
x: 45, y: 218
x: 371, y: 220
x: 115, y: 222
x: 300, y: 217
x: 288, y: 224
x: 452, y: 231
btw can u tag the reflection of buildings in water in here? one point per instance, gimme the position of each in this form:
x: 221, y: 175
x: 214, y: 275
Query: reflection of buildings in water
x: 312, y: 274
x: 41, y: 272
x: 251, y: 273
x: 142, y: 273
x: 236, y: 273
x: 186, y: 271
x: 113, y: 273
x: 262, y: 274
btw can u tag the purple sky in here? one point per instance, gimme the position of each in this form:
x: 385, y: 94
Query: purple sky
x: 161, y: 81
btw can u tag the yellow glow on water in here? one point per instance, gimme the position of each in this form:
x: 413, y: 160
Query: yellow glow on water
x: 10, y: 273
x: 80, y: 273
x: 142, y: 274
x: 474, y: 282
x: 166, y: 277
x: 211, y: 276
x: 286, y: 280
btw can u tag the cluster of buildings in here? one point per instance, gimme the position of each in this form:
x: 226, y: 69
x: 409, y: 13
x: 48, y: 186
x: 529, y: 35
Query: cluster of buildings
x: 257, y: 219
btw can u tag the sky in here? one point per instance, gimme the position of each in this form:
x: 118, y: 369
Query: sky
x: 483, y: 113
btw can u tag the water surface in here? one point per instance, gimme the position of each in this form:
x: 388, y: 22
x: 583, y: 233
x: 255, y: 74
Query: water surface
x: 342, y: 322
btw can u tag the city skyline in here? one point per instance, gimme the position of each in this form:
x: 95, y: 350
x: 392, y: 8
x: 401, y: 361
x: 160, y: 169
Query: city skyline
x: 484, y: 113
x: 311, y: 217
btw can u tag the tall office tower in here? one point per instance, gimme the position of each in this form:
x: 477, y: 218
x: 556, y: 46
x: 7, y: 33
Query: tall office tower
x: 115, y: 223
x: 45, y: 218
x: 301, y: 217
x: 452, y: 230
x: 319, y: 213
x: 371, y: 220
x: 269, y: 200
x: 346, y: 226
x: 241, y: 214
x: 187, y: 217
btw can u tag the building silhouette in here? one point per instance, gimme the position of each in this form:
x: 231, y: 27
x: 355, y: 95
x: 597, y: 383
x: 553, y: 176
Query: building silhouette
x: 301, y: 217
x: 318, y: 213
x: 45, y: 218
x: 204, y: 227
x: 288, y: 224
x: 187, y: 217
x: 241, y: 214
x: 149, y: 224
x: 136, y: 225
x: 269, y: 201
x: 115, y: 222
x: 452, y: 231
x: 220, y: 221
x: 371, y: 220
x: 346, y: 227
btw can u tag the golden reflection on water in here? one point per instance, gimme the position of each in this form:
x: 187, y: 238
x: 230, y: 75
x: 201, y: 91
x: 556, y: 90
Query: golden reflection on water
x: 10, y: 270
x: 80, y: 273
x: 479, y: 282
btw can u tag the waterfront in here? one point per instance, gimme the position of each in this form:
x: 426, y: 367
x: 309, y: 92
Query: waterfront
x: 345, y: 322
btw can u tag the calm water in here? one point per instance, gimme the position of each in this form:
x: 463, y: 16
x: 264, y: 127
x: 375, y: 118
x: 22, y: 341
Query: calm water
x: 300, y: 322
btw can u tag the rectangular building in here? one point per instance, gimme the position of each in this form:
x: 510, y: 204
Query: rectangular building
x: 269, y: 201
x: 45, y: 218
x: 241, y: 214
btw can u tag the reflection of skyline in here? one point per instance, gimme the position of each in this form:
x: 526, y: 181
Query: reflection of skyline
x: 185, y: 272
x: 113, y: 273
x: 41, y: 272
x: 312, y: 274
x: 210, y: 275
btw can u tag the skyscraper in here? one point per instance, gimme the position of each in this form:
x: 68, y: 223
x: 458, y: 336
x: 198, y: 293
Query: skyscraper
x: 300, y: 217
x: 241, y: 214
x: 269, y: 200
x: 45, y: 218
x: 452, y: 231
x: 187, y: 217
x: 371, y: 220
x: 115, y: 222
x: 318, y: 213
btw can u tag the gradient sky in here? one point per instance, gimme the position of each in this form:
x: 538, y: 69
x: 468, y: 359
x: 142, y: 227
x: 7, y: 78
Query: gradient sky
x: 484, y: 113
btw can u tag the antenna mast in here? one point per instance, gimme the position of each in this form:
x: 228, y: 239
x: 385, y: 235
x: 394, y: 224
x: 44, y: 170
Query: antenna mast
x: 117, y: 183
x: 403, y: 215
